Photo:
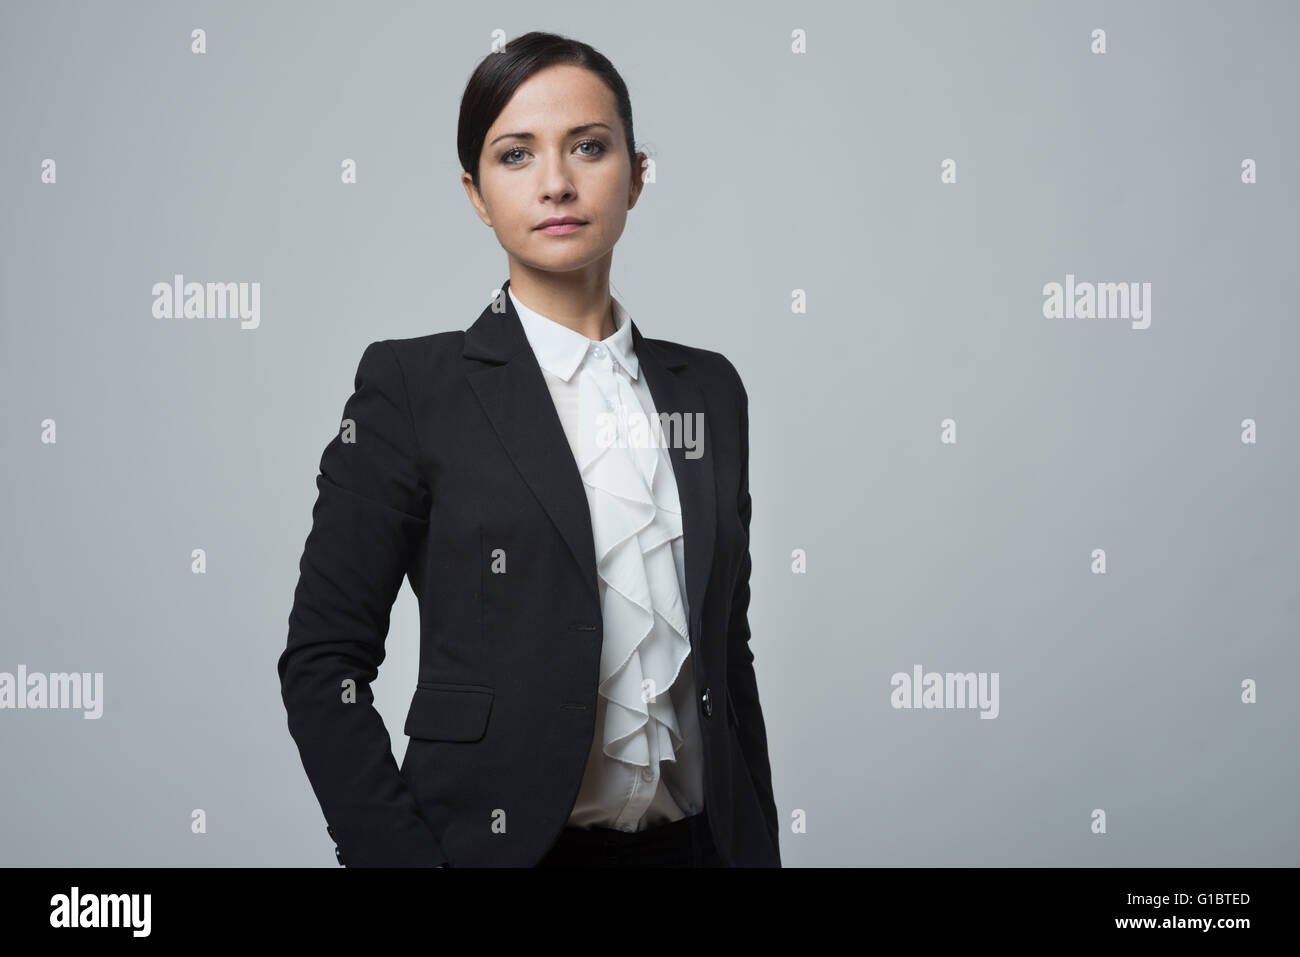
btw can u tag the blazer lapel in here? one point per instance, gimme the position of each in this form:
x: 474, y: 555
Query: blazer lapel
x: 512, y: 390
x: 673, y: 390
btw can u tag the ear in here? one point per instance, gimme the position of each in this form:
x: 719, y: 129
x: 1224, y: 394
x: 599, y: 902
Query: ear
x: 637, y: 181
x: 475, y: 198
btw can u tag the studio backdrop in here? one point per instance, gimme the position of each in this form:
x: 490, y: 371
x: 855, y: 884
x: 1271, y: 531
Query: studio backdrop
x: 1008, y: 288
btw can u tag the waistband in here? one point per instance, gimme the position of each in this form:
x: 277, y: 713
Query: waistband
x: 694, y: 826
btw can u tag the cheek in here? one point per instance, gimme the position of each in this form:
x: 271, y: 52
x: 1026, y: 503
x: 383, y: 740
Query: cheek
x: 504, y: 206
x: 613, y: 219
x: 513, y: 224
x: 611, y: 206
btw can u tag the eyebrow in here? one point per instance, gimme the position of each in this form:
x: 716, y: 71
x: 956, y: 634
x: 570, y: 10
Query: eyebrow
x: 573, y: 132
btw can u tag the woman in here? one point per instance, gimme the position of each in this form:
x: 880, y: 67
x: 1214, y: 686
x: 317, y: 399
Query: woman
x: 570, y: 503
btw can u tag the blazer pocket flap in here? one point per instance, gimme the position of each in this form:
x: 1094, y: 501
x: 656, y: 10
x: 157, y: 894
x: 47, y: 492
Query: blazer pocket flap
x: 449, y: 712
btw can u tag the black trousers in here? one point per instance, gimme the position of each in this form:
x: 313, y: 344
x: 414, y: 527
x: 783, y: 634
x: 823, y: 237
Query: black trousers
x: 683, y: 843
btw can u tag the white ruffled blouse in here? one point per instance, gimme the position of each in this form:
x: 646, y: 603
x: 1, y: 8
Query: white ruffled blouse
x: 645, y: 766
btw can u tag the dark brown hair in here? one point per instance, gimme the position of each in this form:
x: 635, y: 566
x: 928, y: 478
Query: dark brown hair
x: 497, y: 77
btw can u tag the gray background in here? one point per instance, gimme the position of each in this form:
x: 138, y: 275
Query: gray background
x: 774, y: 172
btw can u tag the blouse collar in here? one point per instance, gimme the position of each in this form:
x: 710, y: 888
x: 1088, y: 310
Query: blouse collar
x: 560, y: 350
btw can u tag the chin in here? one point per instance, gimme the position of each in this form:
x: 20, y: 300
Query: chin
x: 572, y: 259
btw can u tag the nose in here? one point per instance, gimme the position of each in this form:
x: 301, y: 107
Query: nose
x: 556, y: 183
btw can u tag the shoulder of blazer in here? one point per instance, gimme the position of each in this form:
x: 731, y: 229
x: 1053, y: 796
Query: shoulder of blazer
x: 421, y: 357
x: 434, y: 344
x: 713, y: 367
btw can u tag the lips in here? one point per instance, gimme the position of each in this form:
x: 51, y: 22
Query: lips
x: 561, y: 227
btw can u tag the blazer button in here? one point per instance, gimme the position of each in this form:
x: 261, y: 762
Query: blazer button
x: 708, y: 704
x: 338, y: 854
x: 330, y: 831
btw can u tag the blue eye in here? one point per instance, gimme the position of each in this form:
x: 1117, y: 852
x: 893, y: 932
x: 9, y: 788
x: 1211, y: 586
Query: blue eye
x: 600, y: 149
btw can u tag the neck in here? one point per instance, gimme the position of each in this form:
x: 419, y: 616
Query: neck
x: 577, y: 300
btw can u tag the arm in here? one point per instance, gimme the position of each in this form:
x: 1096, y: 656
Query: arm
x: 740, y: 657
x: 371, y: 514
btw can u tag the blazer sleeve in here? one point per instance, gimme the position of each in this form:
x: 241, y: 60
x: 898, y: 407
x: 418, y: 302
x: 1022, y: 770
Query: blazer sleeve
x: 370, y: 516
x: 740, y: 656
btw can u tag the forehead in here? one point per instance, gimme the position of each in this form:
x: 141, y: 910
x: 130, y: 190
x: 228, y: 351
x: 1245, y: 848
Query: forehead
x: 554, y: 99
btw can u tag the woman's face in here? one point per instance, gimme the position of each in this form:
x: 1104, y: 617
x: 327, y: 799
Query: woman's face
x: 557, y: 149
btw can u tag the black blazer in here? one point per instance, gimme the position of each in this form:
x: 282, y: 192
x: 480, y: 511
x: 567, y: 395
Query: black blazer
x: 455, y: 450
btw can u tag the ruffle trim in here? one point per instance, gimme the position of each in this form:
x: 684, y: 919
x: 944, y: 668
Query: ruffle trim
x: 636, y: 516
